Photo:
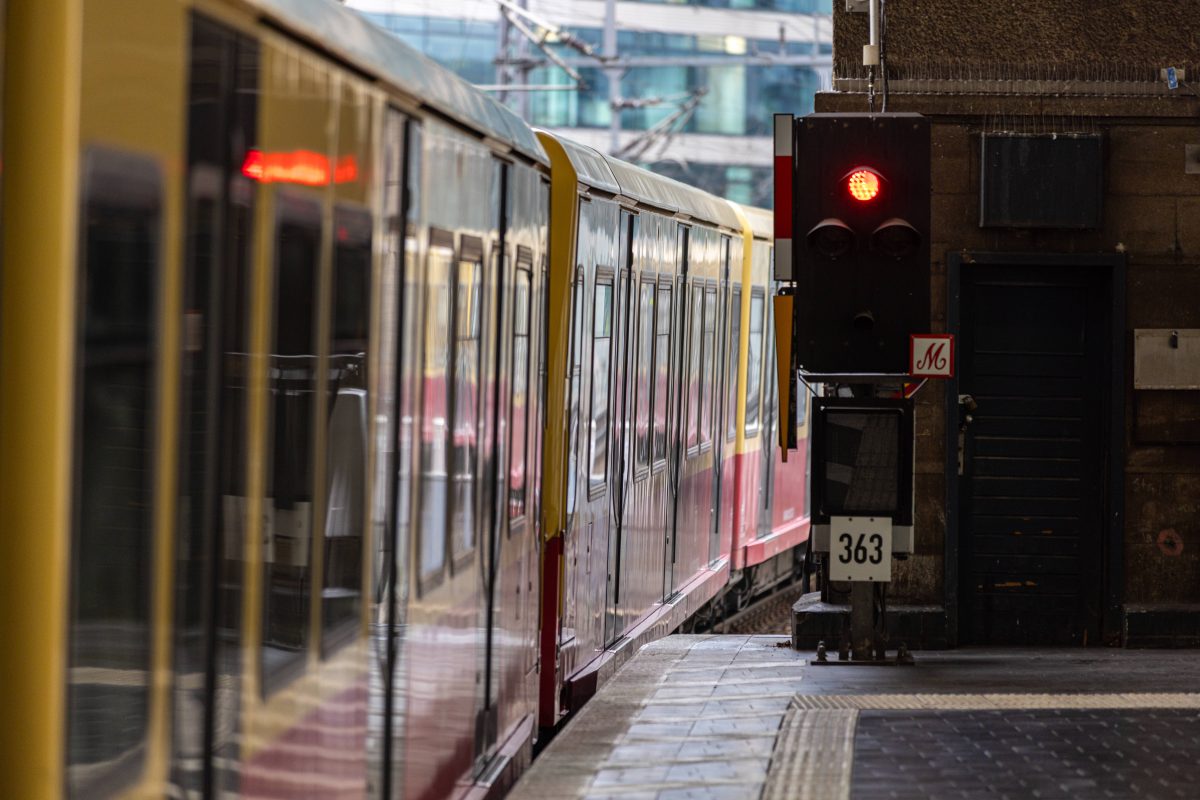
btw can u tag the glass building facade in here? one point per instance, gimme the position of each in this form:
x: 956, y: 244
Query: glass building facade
x: 739, y: 98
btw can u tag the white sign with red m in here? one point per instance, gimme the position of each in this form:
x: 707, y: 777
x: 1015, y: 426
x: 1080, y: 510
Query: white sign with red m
x: 931, y: 355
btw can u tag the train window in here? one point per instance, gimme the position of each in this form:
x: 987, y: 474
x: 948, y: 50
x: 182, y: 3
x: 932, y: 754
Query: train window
x: 645, y: 355
x: 287, y: 544
x: 464, y: 430
x: 694, y: 376
x: 662, y: 364
x: 602, y: 310
x: 754, y: 361
x: 735, y: 342
x: 348, y: 412
x: 519, y: 430
x: 435, y: 409
x: 112, y: 548
x: 577, y: 315
x: 706, y: 349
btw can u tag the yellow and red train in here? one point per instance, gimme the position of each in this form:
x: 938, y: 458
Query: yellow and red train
x: 350, y: 430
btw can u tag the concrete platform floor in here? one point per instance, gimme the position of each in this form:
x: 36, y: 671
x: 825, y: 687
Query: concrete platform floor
x: 747, y: 717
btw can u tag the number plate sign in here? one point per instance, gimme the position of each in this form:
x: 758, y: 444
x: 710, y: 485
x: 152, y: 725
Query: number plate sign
x: 931, y: 355
x: 860, y: 549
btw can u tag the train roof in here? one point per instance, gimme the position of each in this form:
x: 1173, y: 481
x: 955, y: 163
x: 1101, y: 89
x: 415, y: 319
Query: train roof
x: 590, y: 167
x: 614, y: 176
x: 762, y: 221
x: 352, y: 37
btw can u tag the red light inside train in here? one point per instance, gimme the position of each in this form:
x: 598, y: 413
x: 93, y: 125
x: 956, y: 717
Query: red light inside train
x: 863, y: 184
x: 302, y: 167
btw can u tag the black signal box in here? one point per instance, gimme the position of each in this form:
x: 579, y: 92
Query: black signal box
x: 861, y: 241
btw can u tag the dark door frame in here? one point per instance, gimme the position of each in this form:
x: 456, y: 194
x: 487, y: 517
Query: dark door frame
x: 1112, y: 561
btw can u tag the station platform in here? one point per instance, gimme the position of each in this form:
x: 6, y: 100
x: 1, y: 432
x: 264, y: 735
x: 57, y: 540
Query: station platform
x: 732, y: 717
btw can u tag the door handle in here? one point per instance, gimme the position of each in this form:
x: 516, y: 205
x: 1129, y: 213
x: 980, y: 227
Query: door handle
x: 966, y: 415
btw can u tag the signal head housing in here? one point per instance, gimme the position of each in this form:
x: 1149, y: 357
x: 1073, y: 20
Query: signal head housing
x: 862, y: 271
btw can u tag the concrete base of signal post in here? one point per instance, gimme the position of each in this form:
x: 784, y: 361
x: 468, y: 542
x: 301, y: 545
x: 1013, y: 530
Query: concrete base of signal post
x: 921, y: 627
x: 864, y: 638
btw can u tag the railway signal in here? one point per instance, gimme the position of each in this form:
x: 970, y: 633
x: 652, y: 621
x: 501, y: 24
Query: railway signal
x: 856, y: 218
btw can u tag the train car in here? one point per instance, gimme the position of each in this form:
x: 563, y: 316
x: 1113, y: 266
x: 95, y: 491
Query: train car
x: 271, y: 358
x: 659, y: 414
x: 349, y: 430
x: 773, y: 513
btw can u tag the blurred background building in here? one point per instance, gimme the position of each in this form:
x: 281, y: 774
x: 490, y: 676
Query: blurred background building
x: 685, y: 88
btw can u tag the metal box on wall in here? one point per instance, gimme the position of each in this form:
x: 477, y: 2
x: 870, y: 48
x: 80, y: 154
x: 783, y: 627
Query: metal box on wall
x: 1051, y: 180
x: 1166, y: 359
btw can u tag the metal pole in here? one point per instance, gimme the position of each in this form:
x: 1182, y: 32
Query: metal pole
x: 862, y: 620
x: 502, y: 57
x: 613, y: 74
x: 523, y: 54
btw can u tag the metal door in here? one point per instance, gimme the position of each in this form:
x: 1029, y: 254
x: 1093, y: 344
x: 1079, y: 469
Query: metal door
x: 1032, y: 525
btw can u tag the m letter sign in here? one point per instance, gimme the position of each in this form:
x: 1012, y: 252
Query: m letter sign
x: 931, y: 355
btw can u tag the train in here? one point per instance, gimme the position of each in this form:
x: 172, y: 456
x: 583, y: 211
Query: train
x: 352, y: 432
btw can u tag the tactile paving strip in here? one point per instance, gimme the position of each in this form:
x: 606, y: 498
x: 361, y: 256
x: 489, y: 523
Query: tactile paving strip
x: 813, y: 757
x: 998, y: 702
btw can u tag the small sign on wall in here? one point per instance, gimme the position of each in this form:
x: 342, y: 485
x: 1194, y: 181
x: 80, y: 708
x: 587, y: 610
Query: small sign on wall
x: 931, y: 355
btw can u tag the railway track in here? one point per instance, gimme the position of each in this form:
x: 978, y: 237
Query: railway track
x: 771, y: 614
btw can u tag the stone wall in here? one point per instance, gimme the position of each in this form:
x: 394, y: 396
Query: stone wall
x: 1151, y: 212
x: 994, y: 34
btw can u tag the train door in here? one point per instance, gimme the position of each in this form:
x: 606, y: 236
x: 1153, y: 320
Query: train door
x: 694, y: 504
x: 721, y: 402
x: 638, y: 568
x: 677, y: 259
x: 212, y: 470
x: 676, y: 391
x: 623, y: 395
x: 399, y: 376
x: 495, y: 337
x: 770, y: 427
x: 445, y: 634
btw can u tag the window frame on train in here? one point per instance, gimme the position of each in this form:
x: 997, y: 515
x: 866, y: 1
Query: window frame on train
x: 470, y: 256
x: 754, y: 363
x: 597, y: 482
x: 734, y: 358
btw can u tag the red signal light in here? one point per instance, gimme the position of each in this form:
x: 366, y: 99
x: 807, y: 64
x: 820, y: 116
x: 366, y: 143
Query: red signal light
x: 863, y: 184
